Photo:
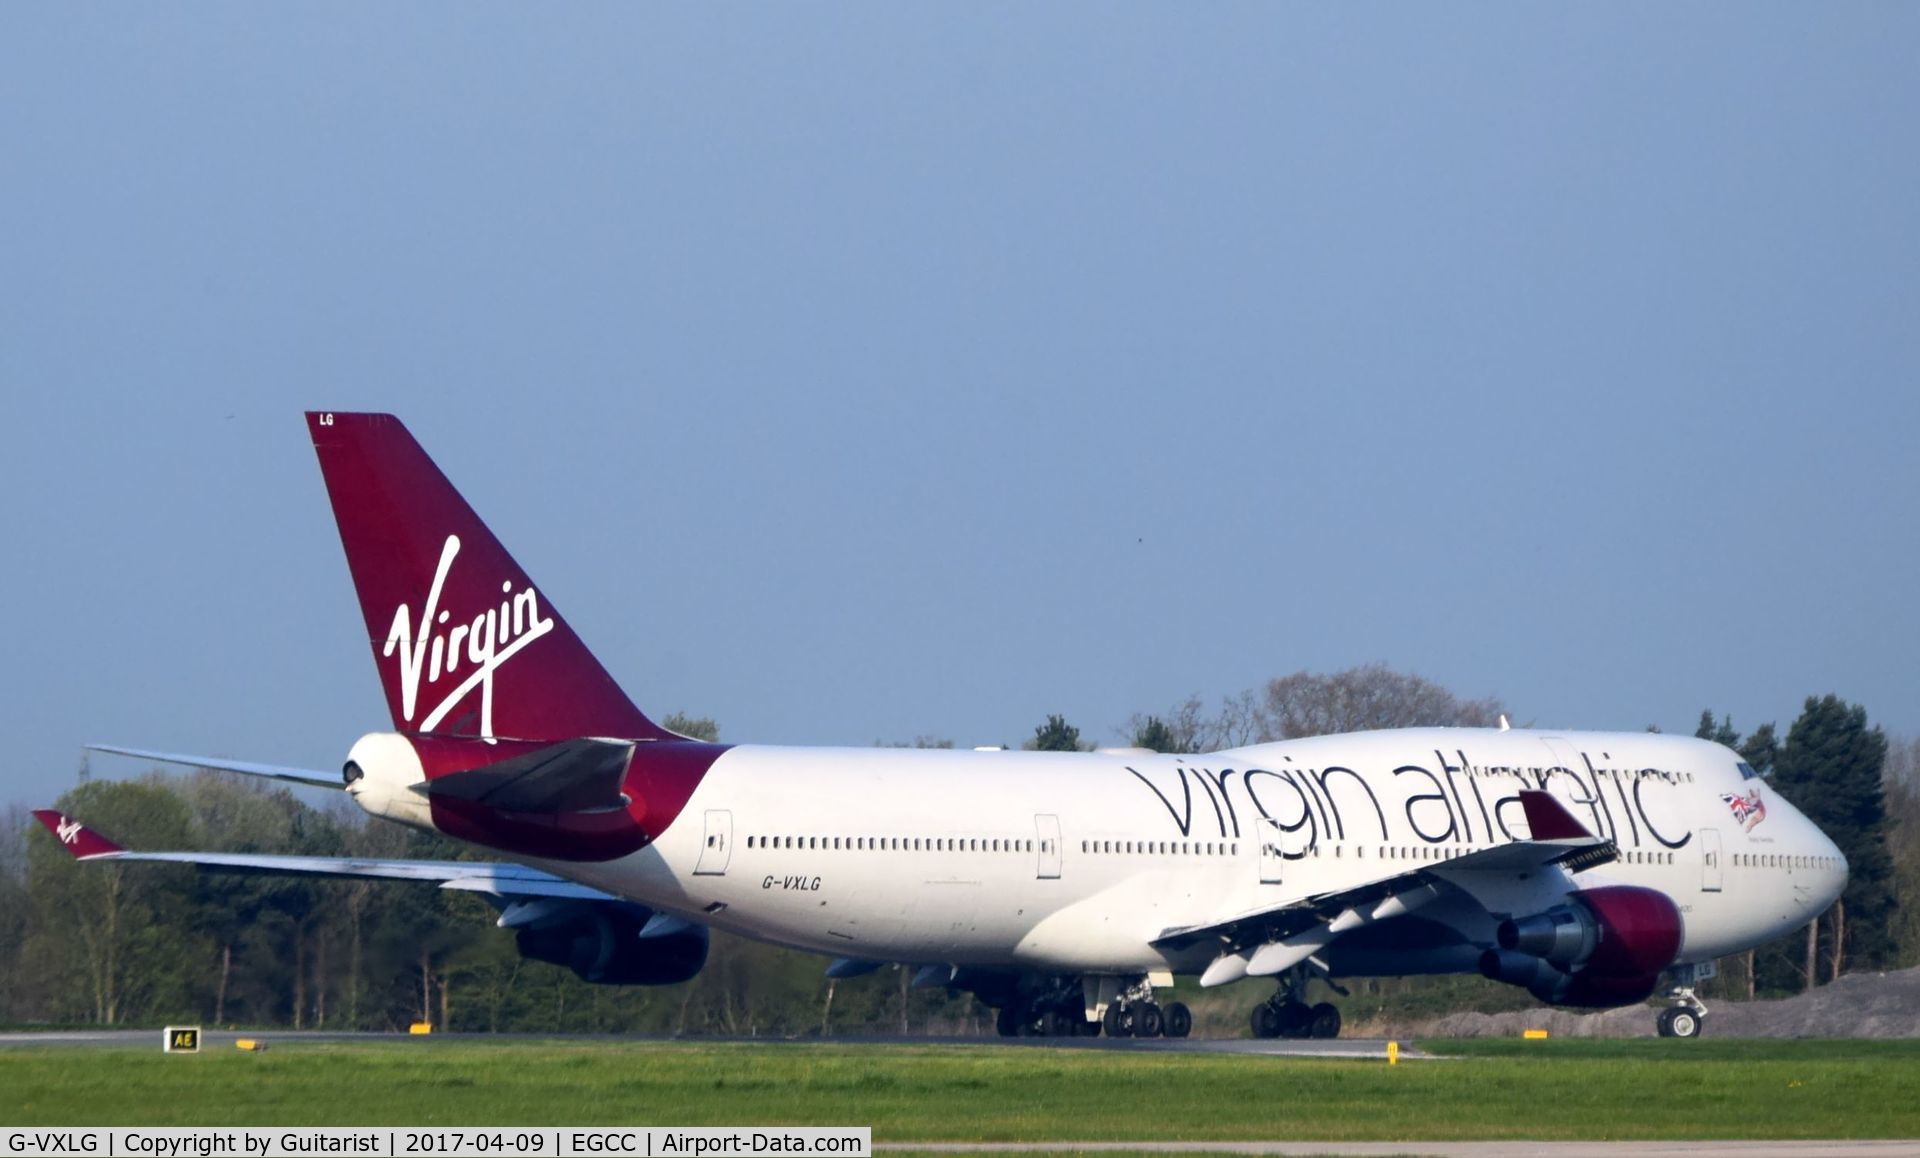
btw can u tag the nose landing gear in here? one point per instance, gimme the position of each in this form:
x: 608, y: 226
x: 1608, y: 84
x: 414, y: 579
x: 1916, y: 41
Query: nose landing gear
x: 1681, y: 1021
x: 1688, y: 1015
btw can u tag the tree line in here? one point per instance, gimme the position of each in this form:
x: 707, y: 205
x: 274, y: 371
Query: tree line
x: 143, y: 943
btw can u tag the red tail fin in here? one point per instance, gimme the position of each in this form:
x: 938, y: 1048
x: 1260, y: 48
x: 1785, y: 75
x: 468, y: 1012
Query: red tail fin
x: 465, y: 644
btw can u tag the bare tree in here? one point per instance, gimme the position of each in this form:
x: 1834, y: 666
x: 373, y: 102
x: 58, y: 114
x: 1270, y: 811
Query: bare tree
x: 1362, y: 699
x: 692, y: 727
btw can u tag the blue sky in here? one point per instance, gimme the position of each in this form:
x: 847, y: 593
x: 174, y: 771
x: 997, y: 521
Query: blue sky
x: 857, y: 372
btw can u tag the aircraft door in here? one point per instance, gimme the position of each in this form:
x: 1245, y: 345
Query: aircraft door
x: 1271, y: 847
x: 717, y: 847
x: 1709, y: 860
x: 1047, y: 832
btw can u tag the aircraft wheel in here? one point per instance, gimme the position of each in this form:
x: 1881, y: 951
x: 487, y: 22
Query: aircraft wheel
x: 1266, y: 1020
x: 1177, y: 1020
x: 1147, y: 1020
x: 1323, y: 1021
x: 1296, y: 1020
x: 1680, y: 1021
x: 1118, y: 1021
x: 1007, y: 1021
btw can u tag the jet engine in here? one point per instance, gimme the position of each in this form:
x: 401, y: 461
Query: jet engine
x: 1603, y: 947
x: 609, y: 945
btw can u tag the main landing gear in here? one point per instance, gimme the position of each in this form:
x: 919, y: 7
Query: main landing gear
x: 1688, y: 1014
x: 1286, y: 1015
x: 1063, y: 1007
x: 1147, y: 1018
x: 1058, y: 1010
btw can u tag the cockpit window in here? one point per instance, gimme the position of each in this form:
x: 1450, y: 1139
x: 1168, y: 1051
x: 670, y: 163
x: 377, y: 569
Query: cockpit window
x: 1747, y: 772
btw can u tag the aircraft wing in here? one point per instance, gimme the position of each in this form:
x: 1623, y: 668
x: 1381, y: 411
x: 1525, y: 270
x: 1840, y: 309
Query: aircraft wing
x: 303, y: 776
x: 1269, y: 940
x: 505, y: 881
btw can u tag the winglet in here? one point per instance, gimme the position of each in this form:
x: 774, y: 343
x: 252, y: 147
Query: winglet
x: 83, y: 842
x: 1548, y: 819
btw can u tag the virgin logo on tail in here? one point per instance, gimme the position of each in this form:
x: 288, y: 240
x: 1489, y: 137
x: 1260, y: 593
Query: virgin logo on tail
x: 67, y: 830
x: 484, y: 643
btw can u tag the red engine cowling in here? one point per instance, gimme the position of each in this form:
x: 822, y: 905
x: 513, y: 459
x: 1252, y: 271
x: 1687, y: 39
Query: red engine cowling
x: 1605, y: 947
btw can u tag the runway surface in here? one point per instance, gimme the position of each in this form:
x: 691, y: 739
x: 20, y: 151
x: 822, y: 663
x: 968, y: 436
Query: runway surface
x: 1351, y: 1048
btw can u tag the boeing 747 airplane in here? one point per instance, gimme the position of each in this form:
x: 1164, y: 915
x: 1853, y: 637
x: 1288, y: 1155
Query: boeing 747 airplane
x: 1066, y: 890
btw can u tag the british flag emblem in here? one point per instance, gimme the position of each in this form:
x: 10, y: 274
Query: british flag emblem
x: 1748, y: 810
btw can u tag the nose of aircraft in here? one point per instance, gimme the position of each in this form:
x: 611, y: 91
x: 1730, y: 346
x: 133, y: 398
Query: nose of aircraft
x: 1832, y: 882
x: 1842, y: 871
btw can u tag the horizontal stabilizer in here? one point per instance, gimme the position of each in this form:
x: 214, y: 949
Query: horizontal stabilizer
x: 487, y: 878
x: 306, y: 777
x: 572, y: 776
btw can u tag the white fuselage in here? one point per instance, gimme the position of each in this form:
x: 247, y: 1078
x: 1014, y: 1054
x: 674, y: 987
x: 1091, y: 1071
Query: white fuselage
x: 1078, y: 862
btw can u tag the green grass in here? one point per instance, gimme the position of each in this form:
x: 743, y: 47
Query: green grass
x: 1563, y: 1089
